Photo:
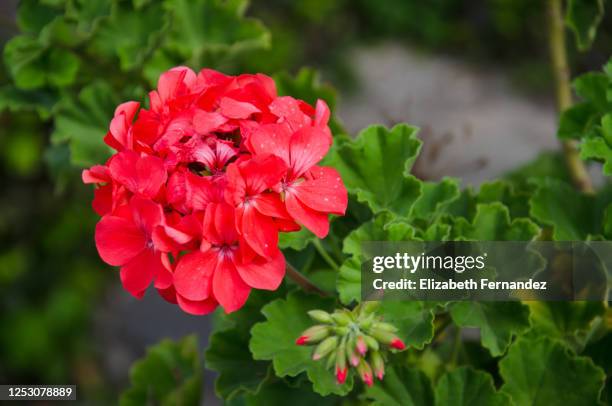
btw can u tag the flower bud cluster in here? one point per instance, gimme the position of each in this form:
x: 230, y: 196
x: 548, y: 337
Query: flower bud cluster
x: 354, y: 338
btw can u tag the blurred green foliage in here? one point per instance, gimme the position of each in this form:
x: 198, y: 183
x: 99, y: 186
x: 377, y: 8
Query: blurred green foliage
x: 68, y: 67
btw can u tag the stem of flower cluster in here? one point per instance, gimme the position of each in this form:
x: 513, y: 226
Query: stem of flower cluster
x: 456, y: 348
x: 326, y: 257
x: 560, y: 68
x: 303, y: 282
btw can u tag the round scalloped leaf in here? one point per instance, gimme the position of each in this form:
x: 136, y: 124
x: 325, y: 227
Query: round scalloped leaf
x: 466, y: 386
x: 375, y: 167
x: 543, y: 372
x: 402, y: 386
x: 498, y: 322
x: 274, y: 339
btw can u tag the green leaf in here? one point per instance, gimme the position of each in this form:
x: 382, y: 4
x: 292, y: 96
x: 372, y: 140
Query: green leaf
x: 84, y: 122
x: 592, y: 86
x: 576, y: 121
x: 33, y: 65
x: 228, y: 350
x: 598, y: 145
x: 130, y: 35
x: 464, y: 206
x: 212, y: 28
x: 348, y: 283
x: 498, y: 322
x: 15, y: 100
x: 583, y: 17
x: 170, y: 374
x: 280, y: 394
x: 378, y: 229
x: 563, y: 320
x: 275, y: 338
x: 32, y: 16
x: 228, y: 354
x: 414, y: 319
x: 88, y: 14
x: 572, y: 215
x: 375, y: 167
x: 597, y: 148
x: 467, y: 386
x: 438, y: 231
x: 599, y: 351
x: 297, y: 240
x: 402, y: 386
x: 434, y: 197
x: 381, y: 228
x: 541, y: 371
x: 492, y: 223
x: 515, y: 198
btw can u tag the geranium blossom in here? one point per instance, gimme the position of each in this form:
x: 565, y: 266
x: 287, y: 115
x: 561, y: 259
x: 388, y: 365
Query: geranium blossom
x: 204, y: 180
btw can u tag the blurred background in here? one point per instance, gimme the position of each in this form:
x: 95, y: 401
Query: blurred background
x: 473, y: 75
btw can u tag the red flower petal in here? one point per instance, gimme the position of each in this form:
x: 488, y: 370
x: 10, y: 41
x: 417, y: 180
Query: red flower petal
x: 194, y: 273
x: 231, y: 108
x: 322, y: 113
x: 138, y: 274
x: 259, y: 231
x: 118, y: 240
x: 197, y: 308
x: 168, y: 294
x: 313, y: 220
x: 96, y: 174
x: 325, y: 193
x: 262, y: 173
x: 205, y: 122
x: 262, y: 273
x: 103, y: 200
x: 271, y: 139
x: 168, y: 239
x: 229, y: 289
x: 307, y: 147
x: 147, y: 214
x: 144, y: 175
x: 175, y: 82
x: 287, y: 109
x: 270, y: 204
x: 224, y: 223
x: 164, y: 277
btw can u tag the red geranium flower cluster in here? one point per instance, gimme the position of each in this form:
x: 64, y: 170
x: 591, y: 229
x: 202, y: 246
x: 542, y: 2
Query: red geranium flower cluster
x: 204, y: 180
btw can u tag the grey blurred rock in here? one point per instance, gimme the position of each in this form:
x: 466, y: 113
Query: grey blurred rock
x: 474, y: 124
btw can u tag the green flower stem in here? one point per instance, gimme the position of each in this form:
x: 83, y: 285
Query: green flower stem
x: 326, y: 257
x: 441, y: 324
x: 456, y: 348
x: 303, y: 282
x: 335, y: 247
x: 560, y: 68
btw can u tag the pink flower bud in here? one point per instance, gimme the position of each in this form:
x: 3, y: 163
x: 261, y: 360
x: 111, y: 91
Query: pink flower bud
x: 313, y: 334
x: 365, y: 372
x: 398, y: 344
x: 361, y: 345
x: 354, y: 359
x: 378, y: 364
x: 341, y: 375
